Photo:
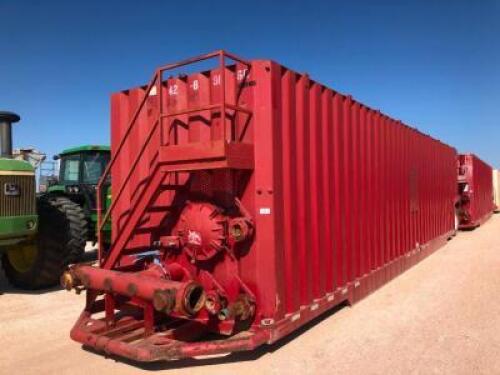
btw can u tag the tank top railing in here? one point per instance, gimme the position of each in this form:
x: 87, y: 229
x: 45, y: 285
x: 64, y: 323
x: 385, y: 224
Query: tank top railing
x: 156, y: 83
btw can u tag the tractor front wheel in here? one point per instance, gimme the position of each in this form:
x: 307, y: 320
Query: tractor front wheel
x: 61, y: 238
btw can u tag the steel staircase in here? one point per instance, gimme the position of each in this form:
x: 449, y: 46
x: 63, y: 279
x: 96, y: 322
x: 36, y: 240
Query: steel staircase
x: 226, y: 152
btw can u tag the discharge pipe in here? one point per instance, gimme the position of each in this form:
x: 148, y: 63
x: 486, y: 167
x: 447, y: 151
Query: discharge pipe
x: 6, y: 121
x: 183, y: 298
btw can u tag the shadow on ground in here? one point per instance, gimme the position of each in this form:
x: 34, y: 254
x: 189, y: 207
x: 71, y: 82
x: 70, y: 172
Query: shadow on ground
x: 7, y: 288
x: 231, y: 358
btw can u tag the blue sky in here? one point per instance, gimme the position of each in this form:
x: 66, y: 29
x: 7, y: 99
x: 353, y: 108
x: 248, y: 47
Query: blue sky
x: 433, y: 64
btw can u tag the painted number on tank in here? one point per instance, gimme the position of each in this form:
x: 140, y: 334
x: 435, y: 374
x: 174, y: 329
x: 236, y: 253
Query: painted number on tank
x: 195, y: 85
x: 173, y: 90
x: 241, y: 74
x: 216, y: 80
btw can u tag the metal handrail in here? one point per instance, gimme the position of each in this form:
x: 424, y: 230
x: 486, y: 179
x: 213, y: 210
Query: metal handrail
x: 129, y: 174
x: 157, y: 81
x: 101, y: 222
x: 207, y: 108
x: 219, y: 53
x: 107, y: 171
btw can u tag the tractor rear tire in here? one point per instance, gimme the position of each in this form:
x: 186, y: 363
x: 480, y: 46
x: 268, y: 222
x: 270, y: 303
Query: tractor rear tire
x: 61, y: 239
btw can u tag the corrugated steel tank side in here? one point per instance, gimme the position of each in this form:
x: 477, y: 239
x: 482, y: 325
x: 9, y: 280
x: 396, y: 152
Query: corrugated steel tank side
x: 123, y: 106
x: 339, y: 192
x: 354, y: 190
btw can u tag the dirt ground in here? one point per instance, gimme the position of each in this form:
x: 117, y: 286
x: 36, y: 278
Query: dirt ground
x: 440, y: 317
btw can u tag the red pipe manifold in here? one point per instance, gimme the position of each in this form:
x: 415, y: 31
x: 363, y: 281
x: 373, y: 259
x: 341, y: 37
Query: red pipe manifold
x: 184, y: 298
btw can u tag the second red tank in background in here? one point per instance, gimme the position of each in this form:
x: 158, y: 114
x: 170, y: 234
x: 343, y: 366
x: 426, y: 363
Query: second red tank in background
x: 475, y: 203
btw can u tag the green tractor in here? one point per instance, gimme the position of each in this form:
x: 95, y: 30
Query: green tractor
x: 18, y: 211
x: 66, y: 217
x: 79, y: 172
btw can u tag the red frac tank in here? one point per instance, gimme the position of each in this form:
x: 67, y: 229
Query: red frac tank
x: 279, y: 196
x: 475, y: 190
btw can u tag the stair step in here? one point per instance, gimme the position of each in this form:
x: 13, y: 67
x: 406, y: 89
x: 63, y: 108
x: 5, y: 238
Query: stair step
x: 132, y: 221
x: 159, y: 209
x: 171, y: 187
x: 207, y: 155
x: 144, y: 230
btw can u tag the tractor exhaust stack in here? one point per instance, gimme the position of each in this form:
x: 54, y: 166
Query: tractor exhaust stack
x: 6, y: 121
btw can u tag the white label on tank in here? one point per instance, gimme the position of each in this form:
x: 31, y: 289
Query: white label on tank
x: 295, y: 317
x: 265, y: 211
x: 314, y: 306
x: 194, y: 237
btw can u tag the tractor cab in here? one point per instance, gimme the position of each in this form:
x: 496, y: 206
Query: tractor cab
x: 79, y: 172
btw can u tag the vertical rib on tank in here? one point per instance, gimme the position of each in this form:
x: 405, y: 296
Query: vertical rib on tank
x: 247, y: 200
